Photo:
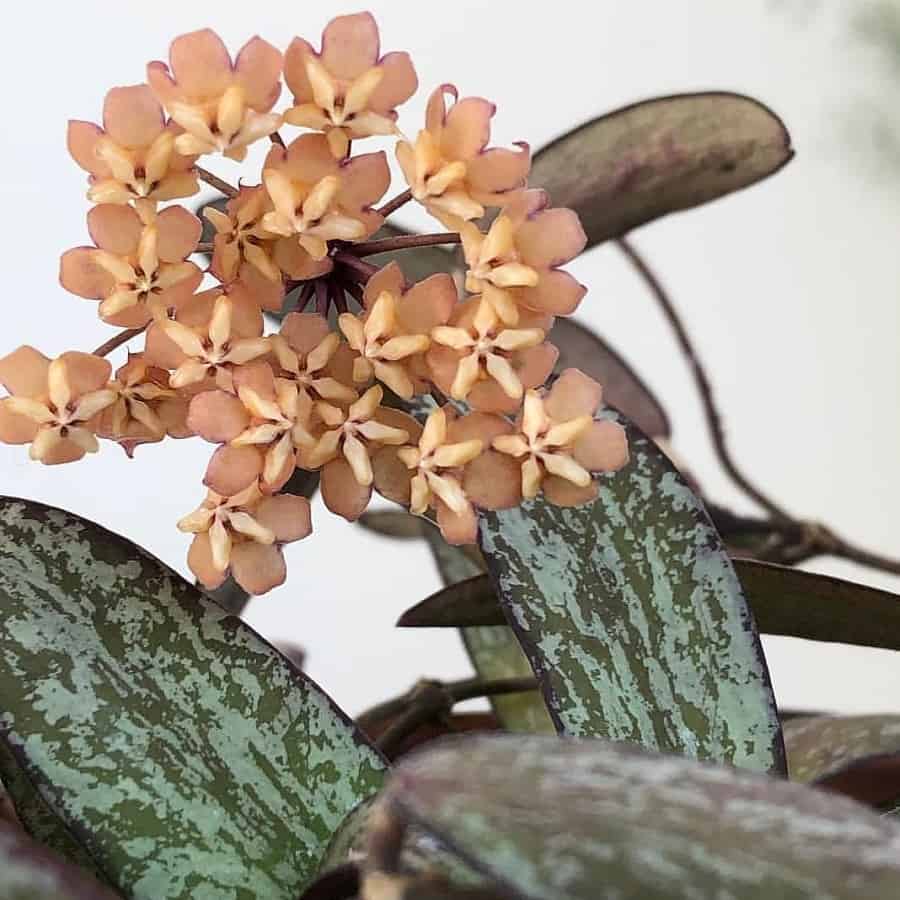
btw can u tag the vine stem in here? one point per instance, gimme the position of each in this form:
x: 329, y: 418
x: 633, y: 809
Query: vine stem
x: 713, y: 417
x: 352, y: 261
x: 429, y: 700
x: 404, y: 242
x: 216, y: 182
x: 204, y: 247
x: 394, y: 204
x: 117, y: 340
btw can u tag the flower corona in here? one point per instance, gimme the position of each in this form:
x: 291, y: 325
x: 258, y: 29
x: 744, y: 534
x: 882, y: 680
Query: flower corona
x: 334, y: 395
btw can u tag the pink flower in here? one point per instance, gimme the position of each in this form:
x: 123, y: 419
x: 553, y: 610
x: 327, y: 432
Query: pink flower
x: 222, y: 106
x: 516, y: 264
x: 54, y: 406
x: 138, y: 267
x: 133, y: 156
x: 347, y: 90
x: 448, y: 168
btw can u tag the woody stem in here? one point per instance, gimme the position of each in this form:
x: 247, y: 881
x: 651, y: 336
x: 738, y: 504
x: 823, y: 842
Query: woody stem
x: 394, y: 204
x: 404, y: 242
x: 216, y: 182
x: 121, y: 338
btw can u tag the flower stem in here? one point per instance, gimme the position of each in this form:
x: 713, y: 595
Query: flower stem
x: 395, y: 204
x: 121, y: 338
x: 216, y: 182
x: 363, y: 270
x: 204, y: 247
x: 404, y: 242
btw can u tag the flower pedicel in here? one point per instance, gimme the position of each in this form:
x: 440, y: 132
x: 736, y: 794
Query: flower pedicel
x: 311, y: 396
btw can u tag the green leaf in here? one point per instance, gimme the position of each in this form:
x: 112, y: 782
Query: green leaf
x: 29, y: 871
x: 579, y: 820
x: 623, y: 388
x: 633, y: 618
x: 650, y: 159
x: 495, y: 652
x: 784, y: 601
x: 36, y: 816
x: 188, y: 754
x: 854, y: 755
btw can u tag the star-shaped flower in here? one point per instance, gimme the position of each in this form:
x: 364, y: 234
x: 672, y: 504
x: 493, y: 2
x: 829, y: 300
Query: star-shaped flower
x: 476, y: 358
x: 133, y: 156
x: 240, y: 236
x: 515, y: 265
x: 318, y: 199
x: 560, y: 445
x: 242, y: 534
x: 448, y: 168
x: 222, y: 106
x: 54, y: 406
x: 347, y: 90
x: 138, y: 267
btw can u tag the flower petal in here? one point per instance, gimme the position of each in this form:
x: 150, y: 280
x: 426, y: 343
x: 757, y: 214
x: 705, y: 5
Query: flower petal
x: 350, y: 45
x: 398, y: 82
x: 216, y: 416
x: 14, y: 427
x: 200, y: 562
x: 498, y: 169
x: 200, y: 64
x: 561, y: 492
x: 81, y: 140
x: 573, y: 394
x: 80, y: 274
x: 603, y: 448
x: 556, y: 293
x: 287, y: 516
x: 392, y: 477
x: 85, y: 372
x: 295, y: 70
x: 178, y: 233
x: 232, y: 469
x: 428, y: 303
x: 342, y: 493
x: 257, y: 70
x: 115, y: 228
x: 550, y: 238
x: 456, y: 528
x: 467, y: 128
x: 493, y: 481
x: 24, y: 372
x: 258, y: 568
x: 132, y: 116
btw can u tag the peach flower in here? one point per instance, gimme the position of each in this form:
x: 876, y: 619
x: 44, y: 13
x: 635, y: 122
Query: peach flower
x: 347, y: 90
x: 222, y: 106
x: 137, y: 268
x: 448, y: 168
x: 515, y: 265
x: 318, y: 199
x: 240, y: 236
x: 54, y: 406
x: 559, y: 444
x: 243, y: 534
x: 133, y: 156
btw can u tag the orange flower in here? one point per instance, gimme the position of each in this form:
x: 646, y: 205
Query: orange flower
x: 133, y: 156
x: 210, y: 349
x: 344, y: 449
x: 305, y: 352
x: 448, y: 168
x: 145, y: 409
x: 560, y: 444
x: 476, y: 358
x: 515, y: 265
x: 137, y: 268
x: 243, y: 534
x: 318, y: 199
x: 437, y: 464
x: 222, y: 106
x: 347, y: 91
x: 54, y: 406
x: 240, y: 236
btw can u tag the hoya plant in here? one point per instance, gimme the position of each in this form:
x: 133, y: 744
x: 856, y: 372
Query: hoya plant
x: 153, y: 746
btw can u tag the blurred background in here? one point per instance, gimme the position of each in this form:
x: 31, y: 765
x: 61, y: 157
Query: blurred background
x: 789, y: 289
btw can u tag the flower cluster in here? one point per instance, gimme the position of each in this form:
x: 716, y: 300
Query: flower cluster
x: 313, y: 395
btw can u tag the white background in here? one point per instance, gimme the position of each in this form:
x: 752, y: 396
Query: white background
x: 789, y: 288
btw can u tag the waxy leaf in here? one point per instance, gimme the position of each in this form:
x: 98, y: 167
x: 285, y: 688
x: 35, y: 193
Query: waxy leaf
x: 29, y: 871
x: 583, y: 820
x: 633, y: 619
x: 185, y: 752
x: 649, y: 159
x: 854, y: 755
x: 784, y: 601
x: 36, y: 816
x: 495, y: 652
x: 393, y: 523
x: 623, y: 388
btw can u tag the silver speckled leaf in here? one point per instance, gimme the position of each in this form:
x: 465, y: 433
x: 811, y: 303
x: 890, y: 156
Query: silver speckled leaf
x: 186, y: 753
x: 633, y: 619
x: 649, y: 159
x: 494, y: 651
x: 29, y: 871
x: 585, y: 820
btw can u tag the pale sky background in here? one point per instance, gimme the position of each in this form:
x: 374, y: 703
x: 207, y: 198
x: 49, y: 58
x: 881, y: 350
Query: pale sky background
x: 790, y: 288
